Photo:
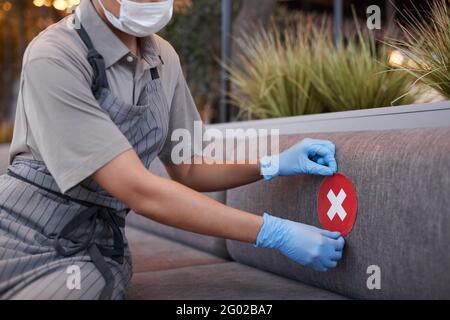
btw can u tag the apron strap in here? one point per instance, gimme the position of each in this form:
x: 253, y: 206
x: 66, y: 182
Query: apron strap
x: 58, y: 194
x: 105, y: 270
x: 97, y: 63
x: 96, y: 251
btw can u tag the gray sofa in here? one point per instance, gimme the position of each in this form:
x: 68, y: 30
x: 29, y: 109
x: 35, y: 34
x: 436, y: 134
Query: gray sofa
x: 400, y: 167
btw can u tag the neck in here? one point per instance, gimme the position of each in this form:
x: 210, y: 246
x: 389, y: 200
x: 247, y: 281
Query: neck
x: 130, y: 41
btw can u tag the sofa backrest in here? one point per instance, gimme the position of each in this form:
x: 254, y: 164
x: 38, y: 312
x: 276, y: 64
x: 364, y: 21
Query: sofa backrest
x: 429, y: 115
x: 402, y: 178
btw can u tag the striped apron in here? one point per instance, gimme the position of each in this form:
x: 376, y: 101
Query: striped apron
x: 73, y: 245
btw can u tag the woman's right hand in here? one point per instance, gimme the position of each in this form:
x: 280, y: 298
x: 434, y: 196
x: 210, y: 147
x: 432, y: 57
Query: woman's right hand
x: 307, y: 245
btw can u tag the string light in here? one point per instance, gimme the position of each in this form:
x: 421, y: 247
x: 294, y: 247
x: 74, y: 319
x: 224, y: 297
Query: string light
x: 38, y: 3
x: 61, y: 5
x: 7, y: 6
x: 396, y: 59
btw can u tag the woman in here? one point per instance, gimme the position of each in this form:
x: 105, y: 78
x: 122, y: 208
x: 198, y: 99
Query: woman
x: 97, y: 104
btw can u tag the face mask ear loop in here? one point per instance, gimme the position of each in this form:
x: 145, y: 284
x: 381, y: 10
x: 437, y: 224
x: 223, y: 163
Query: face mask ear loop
x: 121, y: 8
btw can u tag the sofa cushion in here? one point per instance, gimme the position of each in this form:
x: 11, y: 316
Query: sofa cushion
x: 402, y: 180
x: 151, y: 253
x: 213, y: 245
x: 220, y: 281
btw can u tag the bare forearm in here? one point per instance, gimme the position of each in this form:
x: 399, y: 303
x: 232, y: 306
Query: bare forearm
x: 173, y: 204
x: 216, y: 177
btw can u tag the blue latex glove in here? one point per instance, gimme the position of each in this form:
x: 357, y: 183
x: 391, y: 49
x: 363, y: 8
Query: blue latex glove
x: 310, y: 156
x: 307, y: 245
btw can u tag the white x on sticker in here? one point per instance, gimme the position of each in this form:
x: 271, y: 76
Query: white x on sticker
x: 336, y: 204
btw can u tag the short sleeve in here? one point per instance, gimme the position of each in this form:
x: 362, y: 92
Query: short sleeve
x: 71, y: 132
x: 183, y: 115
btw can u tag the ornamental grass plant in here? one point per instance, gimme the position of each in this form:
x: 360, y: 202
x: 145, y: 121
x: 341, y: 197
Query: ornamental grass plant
x: 299, y: 71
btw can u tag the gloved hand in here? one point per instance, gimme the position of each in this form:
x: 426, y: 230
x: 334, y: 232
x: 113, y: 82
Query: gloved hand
x: 307, y: 245
x: 310, y: 156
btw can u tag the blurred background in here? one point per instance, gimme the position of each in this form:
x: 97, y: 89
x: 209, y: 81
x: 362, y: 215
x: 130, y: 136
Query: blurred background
x: 285, y: 57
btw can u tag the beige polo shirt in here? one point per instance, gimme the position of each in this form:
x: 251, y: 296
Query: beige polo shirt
x: 58, y: 119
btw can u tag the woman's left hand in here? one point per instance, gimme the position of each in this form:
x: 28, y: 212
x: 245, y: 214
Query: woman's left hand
x: 310, y: 156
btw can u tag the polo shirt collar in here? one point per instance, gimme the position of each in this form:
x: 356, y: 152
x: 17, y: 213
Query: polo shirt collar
x: 107, y: 43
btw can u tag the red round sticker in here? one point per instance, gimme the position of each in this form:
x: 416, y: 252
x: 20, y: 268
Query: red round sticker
x: 337, y: 204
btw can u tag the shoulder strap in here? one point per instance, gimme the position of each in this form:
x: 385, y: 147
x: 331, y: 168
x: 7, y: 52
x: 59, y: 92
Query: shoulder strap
x: 97, y: 62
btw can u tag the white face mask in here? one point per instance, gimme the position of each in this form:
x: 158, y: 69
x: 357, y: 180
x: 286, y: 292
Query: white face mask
x: 141, y: 19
